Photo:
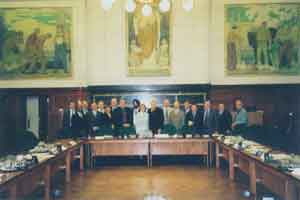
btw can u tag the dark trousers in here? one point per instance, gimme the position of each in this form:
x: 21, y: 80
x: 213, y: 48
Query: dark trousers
x: 239, y: 129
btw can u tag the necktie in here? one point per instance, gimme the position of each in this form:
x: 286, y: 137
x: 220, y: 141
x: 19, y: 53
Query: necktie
x: 124, y: 116
x: 71, y: 115
x: 205, y: 117
x: 167, y: 114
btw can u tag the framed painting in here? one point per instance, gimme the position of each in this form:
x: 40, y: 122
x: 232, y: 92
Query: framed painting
x: 148, y: 41
x: 262, y: 39
x: 35, y: 42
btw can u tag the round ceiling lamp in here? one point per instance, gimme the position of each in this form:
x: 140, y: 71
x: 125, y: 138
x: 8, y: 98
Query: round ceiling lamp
x: 164, y: 5
x: 188, y: 5
x: 147, y: 10
x: 107, y: 4
x: 130, y: 6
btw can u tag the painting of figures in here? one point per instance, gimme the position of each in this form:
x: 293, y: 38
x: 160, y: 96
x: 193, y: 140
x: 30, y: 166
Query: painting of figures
x: 148, y: 41
x: 35, y: 43
x: 262, y: 39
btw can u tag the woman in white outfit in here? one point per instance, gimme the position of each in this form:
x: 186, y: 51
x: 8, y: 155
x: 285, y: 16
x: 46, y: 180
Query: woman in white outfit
x: 141, y: 122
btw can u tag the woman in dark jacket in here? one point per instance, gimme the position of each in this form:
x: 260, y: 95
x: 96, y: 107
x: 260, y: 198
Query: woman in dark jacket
x: 156, y: 117
x: 224, y: 120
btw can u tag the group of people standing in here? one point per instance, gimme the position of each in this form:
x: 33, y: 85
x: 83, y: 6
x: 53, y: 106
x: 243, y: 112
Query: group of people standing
x: 120, y: 121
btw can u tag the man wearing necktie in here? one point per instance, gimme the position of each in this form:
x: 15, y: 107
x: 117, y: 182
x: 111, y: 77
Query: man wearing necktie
x: 123, y: 120
x: 167, y: 110
x: 101, y: 107
x: 68, y: 121
x: 94, y: 119
x: 193, y: 122
x: 209, y: 119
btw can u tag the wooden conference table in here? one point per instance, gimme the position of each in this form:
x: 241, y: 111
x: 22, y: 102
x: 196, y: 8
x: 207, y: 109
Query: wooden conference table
x: 151, y: 147
x: 22, y: 183
x: 283, y: 184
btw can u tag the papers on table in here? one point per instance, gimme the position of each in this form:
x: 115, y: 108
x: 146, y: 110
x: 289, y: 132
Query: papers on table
x: 162, y: 136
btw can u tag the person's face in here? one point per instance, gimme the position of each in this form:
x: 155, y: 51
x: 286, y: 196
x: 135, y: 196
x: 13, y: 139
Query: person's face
x: 186, y: 105
x: 142, y: 108
x: 122, y: 103
x: 107, y: 109
x: 194, y: 108
x: 153, y: 104
x: 85, y: 104
x: 79, y: 104
x: 113, y: 103
x: 72, y: 105
x: 221, y: 107
x: 100, y: 105
x: 238, y: 104
x: 176, y: 105
x: 94, y: 106
x: 207, y: 105
x: 166, y: 103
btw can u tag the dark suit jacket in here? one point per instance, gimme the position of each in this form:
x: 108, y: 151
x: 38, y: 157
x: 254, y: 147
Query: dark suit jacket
x: 224, y: 121
x: 80, y: 125
x: 197, y: 120
x: 156, y: 119
x: 106, y: 121
x: 211, y: 123
x: 94, y: 120
x: 67, y: 119
x: 117, y: 116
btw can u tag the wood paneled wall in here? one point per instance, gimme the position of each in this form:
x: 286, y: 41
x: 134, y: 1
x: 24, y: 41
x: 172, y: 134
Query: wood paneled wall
x: 277, y: 101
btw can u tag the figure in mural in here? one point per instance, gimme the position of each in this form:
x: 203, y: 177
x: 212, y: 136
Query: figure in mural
x: 295, y: 37
x: 34, y: 52
x: 164, y: 53
x: 233, y: 42
x: 3, y: 31
x: 42, y: 56
x: 147, y: 33
x: 61, y: 49
x: 275, y: 47
x: 135, y: 54
x: 263, y: 38
x: 13, y: 48
x: 286, y: 47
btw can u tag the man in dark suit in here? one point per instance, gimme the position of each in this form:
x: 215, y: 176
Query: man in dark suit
x: 123, y: 120
x: 113, y: 104
x: 94, y: 119
x: 68, y: 121
x: 209, y: 118
x: 156, y: 117
x: 224, y: 120
x: 80, y: 122
x: 193, y: 120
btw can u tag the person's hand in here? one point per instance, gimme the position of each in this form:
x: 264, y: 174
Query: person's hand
x: 113, y: 126
x: 95, y: 128
x: 233, y: 125
x: 126, y: 125
x: 190, y: 123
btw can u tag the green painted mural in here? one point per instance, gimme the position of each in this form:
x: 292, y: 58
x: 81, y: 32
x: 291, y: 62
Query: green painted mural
x: 262, y: 39
x: 35, y: 43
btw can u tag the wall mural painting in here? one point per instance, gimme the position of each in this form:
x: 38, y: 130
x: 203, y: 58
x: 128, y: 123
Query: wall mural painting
x: 262, y: 39
x: 148, y: 41
x: 35, y: 43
